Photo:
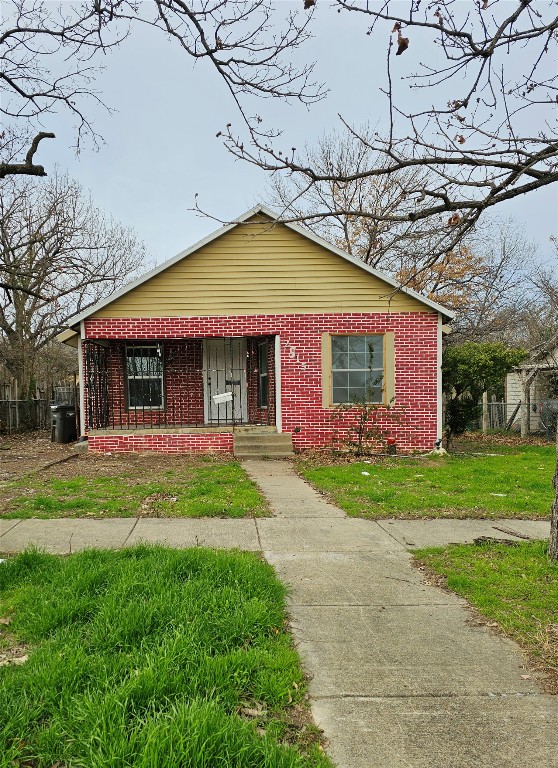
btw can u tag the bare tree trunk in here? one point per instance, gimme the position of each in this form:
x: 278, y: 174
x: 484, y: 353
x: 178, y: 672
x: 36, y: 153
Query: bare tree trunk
x: 485, y: 412
x: 553, y: 541
x: 526, y: 410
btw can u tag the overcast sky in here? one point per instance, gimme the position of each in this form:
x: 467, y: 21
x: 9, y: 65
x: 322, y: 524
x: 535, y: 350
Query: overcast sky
x: 161, y: 146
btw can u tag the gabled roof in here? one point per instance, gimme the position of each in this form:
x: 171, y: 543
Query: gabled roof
x: 259, y: 209
x: 542, y: 357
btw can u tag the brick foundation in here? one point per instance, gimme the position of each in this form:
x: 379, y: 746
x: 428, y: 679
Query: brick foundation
x: 167, y: 443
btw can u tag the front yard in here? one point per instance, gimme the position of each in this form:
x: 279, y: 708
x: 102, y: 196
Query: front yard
x: 127, y: 485
x: 488, y: 478
x: 493, y: 481
x: 149, y: 657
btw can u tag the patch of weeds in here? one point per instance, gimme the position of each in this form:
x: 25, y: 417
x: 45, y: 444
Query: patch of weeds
x: 197, y: 489
x: 148, y: 657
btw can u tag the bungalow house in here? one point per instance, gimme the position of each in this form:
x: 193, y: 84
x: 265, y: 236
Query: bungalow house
x: 260, y: 329
x: 531, y: 391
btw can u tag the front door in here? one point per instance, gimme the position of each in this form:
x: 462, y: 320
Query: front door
x: 224, y: 378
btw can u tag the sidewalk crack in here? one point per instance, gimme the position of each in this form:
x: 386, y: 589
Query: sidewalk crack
x: 258, y: 534
x: 392, y: 535
x: 403, y: 696
x: 133, y: 528
x: 17, y: 522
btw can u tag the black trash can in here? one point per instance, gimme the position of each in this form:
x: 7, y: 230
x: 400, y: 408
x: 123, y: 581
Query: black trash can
x: 63, y: 423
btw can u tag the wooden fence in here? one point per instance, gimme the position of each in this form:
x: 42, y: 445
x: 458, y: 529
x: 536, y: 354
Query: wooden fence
x: 32, y: 415
x: 24, y: 415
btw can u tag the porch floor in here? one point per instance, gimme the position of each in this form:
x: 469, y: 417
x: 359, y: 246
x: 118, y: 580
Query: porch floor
x: 255, y: 429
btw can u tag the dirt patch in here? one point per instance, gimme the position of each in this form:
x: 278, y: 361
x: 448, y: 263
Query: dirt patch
x: 14, y: 655
x: 11, y: 651
x: 477, y: 441
x: 328, y: 458
x: 139, y: 467
x: 22, y: 454
x: 298, y: 727
x: 68, y: 483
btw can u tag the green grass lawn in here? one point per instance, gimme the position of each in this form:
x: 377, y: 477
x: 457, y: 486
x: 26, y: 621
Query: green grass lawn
x: 198, y: 489
x: 513, y: 586
x: 516, y: 484
x: 149, y: 658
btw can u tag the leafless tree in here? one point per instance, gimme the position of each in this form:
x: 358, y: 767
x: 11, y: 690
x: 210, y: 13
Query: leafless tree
x: 488, y: 69
x: 49, y: 55
x: 545, y: 279
x: 489, y: 76
x: 58, y: 253
x: 528, y: 315
x: 333, y: 207
x: 499, y: 291
x: 487, y: 279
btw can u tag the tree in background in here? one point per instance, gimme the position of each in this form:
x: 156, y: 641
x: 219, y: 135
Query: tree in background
x: 487, y: 279
x: 330, y: 208
x: 58, y: 253
x: 468, y: 370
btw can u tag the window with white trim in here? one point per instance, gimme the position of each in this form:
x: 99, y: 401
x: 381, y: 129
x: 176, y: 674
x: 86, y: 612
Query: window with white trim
x: 144, y: 376
x: 357, y: 369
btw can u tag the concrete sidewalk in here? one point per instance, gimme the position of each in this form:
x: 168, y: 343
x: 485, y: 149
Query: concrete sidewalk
x: 297, y: 533
x: 400, y: 678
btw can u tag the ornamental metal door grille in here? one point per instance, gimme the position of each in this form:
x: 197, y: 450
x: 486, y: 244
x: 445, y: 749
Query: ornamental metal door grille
x: 225, y: 381
x: 96, y: 384
x: 154, y: 383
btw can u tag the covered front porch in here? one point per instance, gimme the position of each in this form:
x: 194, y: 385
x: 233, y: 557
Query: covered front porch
x: 169, y: 385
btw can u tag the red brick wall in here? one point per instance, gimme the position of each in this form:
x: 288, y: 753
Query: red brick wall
x: 183, y: 386
x: 415, y: 335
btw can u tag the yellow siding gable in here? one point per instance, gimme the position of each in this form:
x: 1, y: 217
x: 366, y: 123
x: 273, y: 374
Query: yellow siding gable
x: 260, y: 268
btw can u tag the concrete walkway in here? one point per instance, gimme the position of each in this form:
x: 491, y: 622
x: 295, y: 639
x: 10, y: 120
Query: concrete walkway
x: 400, y: 677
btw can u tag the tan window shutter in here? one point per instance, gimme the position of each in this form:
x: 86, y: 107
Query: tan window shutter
x: 389, y: 367
x: 326, y: 370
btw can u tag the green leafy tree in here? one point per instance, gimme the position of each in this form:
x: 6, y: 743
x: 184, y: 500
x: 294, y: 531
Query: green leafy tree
x: 468, y: 370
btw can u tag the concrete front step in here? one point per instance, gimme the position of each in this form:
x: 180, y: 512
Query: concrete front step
x: 259, y: 429
x: 256, y: 446
x: 263, y: 454
x: 282, y: 440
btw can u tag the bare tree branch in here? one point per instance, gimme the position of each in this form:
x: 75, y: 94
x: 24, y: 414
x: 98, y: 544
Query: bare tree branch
x: 475, y: 134
x: 50, y: 53
x: 28, y: 168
